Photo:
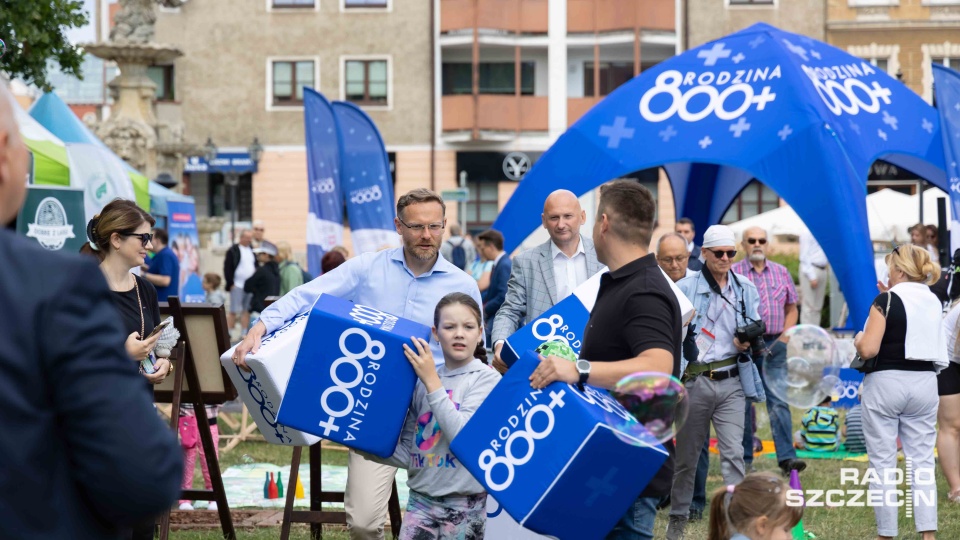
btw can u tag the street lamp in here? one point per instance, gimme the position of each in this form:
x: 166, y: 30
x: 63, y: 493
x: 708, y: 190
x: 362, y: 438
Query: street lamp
x: 231, y: 177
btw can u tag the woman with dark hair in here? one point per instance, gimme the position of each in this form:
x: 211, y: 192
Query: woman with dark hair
x: 120, y: 236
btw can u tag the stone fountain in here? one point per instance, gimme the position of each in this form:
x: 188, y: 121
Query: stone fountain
x: 133, y: 131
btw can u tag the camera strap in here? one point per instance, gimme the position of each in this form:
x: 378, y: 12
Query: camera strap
x: 715, y: 287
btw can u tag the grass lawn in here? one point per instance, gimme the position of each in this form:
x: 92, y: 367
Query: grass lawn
x: 827, y: 523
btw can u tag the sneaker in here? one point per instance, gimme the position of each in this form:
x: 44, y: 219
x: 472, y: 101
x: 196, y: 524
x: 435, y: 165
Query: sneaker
x: 186, y: 506
x: 788, y: 465
x: 696, y: 514
x: 675, y: 527
x: 212, y: 506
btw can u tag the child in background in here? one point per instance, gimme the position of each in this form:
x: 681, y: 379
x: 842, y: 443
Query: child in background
x: 821, y: 427
x: 755, y: 509
x: 190, y: 443
x: 446, y: 503
x: 852, y: 430
x: 211, y: 286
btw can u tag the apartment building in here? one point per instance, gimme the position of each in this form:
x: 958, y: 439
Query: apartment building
x: 464, y: 92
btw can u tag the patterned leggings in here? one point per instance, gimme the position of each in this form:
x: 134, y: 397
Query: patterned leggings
x: 190, y: 459
x: 454, y: 517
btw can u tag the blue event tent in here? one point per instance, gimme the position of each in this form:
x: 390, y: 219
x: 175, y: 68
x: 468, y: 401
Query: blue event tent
x: 801, y: 116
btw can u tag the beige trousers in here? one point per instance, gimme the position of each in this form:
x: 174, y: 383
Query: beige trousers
x: 369, y: 485
x: 812, y: 301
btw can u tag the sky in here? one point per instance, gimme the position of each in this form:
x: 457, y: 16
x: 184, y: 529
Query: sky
x: 87, y: 33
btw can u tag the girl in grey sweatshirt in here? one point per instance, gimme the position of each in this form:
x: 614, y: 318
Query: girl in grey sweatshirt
x: 445, y: 499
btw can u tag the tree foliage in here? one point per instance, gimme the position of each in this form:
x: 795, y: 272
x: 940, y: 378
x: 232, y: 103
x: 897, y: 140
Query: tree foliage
x: 35, y: 35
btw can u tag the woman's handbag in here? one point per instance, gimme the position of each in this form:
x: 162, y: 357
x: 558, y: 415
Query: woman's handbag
x: 869, y: 365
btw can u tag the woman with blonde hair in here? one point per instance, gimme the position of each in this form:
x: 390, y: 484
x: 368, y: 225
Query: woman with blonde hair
x: 291, y: 275
x: 904, y: 339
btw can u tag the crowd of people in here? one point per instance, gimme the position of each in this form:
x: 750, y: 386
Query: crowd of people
x: 81, y: 409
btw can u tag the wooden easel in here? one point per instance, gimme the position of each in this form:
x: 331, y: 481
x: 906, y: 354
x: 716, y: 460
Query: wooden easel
x: 195, y: 395
x: 317, y: 516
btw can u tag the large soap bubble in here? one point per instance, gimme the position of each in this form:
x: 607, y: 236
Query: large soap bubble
x: 656, y: 400
x: 810, y: 371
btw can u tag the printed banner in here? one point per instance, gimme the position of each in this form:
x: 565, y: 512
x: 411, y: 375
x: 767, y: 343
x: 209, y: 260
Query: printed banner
x: 100, y: 174
x: 325, y: 220
x: 53, y: 216
x: 366, y: 180
x: 182, y: 228
x: 947, y: 89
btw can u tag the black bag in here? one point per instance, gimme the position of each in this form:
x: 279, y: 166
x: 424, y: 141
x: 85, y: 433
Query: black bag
x: 869, y: 365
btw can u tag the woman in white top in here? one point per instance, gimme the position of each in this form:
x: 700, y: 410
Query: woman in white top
x: 904, y: 333
x: 948, y: 418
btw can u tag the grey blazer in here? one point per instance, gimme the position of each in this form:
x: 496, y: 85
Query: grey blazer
x: 532, y: 288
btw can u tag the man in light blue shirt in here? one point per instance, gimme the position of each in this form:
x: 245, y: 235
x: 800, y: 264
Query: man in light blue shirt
x: 407, y: 282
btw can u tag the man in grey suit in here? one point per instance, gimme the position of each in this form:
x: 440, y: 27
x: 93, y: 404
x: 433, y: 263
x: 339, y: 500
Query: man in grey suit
x: 548, y: 273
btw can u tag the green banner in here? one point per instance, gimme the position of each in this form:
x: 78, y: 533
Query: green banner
x: 54, y: 217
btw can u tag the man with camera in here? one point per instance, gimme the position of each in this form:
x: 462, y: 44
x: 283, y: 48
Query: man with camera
x: 778, y: 310
x: 728, y: 324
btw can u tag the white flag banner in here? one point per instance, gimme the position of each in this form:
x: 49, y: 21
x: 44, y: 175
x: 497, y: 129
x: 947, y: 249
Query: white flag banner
x: 100, y: 174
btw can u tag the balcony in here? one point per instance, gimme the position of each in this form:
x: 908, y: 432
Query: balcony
x: 577, y: 107
x: 589, y: 16
x: 515, y: 16
x: 495, y: 113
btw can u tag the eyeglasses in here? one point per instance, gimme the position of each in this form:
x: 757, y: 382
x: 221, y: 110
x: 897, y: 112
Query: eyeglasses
x: 730, y: 253
x: 675, y: 260
x: 145, y: 238
x: 753, y: 241
x: 259, y: 229
x: 434, y: 228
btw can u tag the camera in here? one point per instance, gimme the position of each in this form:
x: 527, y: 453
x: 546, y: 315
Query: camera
x: 752, y: 333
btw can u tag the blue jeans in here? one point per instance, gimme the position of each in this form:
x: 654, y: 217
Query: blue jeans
x: 637, y: 523
x: 699, y: 501
x: 779, y: 412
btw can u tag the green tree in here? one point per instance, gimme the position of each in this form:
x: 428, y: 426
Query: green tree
x: 35, y: 33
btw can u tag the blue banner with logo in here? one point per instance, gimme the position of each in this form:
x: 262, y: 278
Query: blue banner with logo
x: 325, y: 218
x: 803, y: 117
x: 366, y: 180
x: 946, y: 86
x: 182, y: 229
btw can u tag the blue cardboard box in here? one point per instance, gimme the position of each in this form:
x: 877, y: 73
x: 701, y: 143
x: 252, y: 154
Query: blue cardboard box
x: 846, y: 390
x: 351, y: 382
x: 562, y: 462
x: 565, y: 322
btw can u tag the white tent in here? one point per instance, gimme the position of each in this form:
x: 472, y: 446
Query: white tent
x: 888, y: 215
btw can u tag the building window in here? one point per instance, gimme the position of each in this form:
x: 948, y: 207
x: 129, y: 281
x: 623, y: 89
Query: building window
x: 364, y: 3
x: 283, y: 4
x: 366, y: 82
x: 289, y: 78
x: 612, y: 75
x: 751, y: 2
x: 482, y: 207
x: 946, y: 61
x: 755, y: 198
x: 495, y: 78
x: 162, y: 76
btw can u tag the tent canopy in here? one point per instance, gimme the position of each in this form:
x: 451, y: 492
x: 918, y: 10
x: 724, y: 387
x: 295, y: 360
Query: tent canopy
x: 50, y: 163
x: 802, y: 117
x: 56, y: 116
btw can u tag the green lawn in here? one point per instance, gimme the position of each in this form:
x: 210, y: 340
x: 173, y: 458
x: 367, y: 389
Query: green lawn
x: 826, y: 523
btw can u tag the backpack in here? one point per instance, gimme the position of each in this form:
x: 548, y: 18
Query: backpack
x: 307, y: 276
x: 458, y: 256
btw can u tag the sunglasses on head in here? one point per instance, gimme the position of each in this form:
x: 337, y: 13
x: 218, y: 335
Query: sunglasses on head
x: 753, y: 241
x: 145, y: 238
x: 719, y: 253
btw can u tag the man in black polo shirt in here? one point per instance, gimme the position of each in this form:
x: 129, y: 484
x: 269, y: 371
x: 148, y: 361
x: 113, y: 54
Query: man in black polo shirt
x: 635, y: 325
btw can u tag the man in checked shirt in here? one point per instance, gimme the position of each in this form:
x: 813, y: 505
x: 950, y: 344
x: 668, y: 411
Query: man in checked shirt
x: 778, y: 309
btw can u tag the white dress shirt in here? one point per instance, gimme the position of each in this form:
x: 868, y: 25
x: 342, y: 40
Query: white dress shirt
x: 812, y: 256
x: 569, y: 272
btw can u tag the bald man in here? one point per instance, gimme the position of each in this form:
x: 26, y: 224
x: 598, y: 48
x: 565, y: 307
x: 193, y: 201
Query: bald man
x: 543, y: 276
x: 672, y: 256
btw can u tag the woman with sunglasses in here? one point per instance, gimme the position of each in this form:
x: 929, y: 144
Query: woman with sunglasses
x: 120, y: 236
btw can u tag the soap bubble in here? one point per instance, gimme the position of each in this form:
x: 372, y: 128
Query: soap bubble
x: 811, y: 368
x: 246, y: 462
x: 656, y: 400
x: 3, y: 48
x: 556, y: 348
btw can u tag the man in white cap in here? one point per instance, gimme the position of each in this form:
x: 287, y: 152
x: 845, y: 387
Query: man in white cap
x: 723, y: 302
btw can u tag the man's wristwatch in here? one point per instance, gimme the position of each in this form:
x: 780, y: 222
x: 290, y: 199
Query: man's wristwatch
x: 583, y: 367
